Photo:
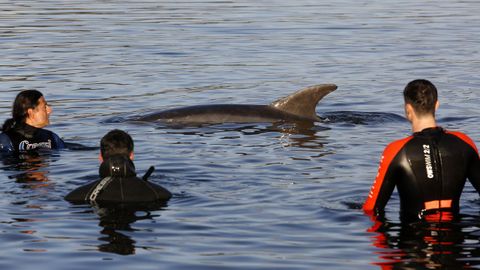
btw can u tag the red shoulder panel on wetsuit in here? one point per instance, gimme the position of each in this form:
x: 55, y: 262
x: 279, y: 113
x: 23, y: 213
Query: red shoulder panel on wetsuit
x: 464, y: 138
x: 387, y: 157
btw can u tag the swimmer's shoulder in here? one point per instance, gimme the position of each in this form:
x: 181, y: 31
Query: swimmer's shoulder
x: 394, y: 147
x: 464, y: 137
x: 6, y: 144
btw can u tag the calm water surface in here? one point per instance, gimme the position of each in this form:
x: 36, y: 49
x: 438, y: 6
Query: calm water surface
x: 257, y: 196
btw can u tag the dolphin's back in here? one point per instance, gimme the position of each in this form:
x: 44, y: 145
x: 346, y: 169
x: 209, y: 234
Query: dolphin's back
x: 221, y: 113
x: 299, y: 106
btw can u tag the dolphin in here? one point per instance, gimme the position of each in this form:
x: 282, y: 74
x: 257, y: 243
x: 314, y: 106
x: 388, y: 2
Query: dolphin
x: 297, y: 107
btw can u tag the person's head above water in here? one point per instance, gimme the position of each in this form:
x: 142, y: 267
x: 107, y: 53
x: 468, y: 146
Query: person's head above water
x: 422, y: 96
x: 421, y: 102
x: 29, y: 107
x: 116, y: 143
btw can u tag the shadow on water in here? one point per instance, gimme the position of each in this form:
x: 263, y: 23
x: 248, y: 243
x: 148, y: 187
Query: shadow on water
x: 361, y: 118
x: 299, y: 134
x: 427, y: 245
x: 117, y: 219
x: 31, y: 169
x: 305, y: 128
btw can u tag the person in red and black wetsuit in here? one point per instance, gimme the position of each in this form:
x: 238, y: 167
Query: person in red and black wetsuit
x: 429, y: 168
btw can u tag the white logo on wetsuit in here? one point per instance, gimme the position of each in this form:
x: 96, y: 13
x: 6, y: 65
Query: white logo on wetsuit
x: 26, y: 145
x: 428, y: 161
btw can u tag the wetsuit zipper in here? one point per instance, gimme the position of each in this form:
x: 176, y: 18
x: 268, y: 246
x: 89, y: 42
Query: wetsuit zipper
x: 437, y: 161
x: 437, y: 166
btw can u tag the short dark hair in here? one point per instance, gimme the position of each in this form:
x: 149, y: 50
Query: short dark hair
x: 422, y: 95
x: 27, y: 99
x: 116, y: 142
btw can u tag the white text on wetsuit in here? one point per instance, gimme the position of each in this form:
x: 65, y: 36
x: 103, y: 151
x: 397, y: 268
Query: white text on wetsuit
x: 26, y: 145
x: 428, y: 161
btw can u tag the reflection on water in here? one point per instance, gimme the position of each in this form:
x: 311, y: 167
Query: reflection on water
x: 361, y: 118
x: 116, y: 221
x: 304, y: 135
x: 32, y: 168
x: 428, y: 245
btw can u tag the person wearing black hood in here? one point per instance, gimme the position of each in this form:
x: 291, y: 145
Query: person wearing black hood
x: 118, y: 183
x: 25, y: 130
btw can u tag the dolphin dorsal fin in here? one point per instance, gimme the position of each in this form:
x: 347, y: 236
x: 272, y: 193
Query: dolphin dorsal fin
x: 303, y: 102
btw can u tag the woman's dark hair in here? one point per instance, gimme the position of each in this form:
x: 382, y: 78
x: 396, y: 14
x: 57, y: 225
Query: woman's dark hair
x: 27, y: 99
x: 422, y: 95
x: 116, y: 142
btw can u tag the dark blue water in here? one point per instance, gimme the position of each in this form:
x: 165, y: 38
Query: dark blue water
x: 257, y: 196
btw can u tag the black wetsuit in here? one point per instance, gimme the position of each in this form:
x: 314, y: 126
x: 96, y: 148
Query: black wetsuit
x: 24, y: 138
x: 118, y: 184
x: 429, y: 169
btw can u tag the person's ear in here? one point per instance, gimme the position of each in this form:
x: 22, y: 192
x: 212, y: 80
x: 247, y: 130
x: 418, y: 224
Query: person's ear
x: 30, y: 113
x: 100, y: 157
x: 409, y: 112
x: 132, y: 155
x: 437, y: 104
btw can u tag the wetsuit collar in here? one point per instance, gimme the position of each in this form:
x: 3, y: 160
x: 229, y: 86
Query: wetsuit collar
x: 429, y: 131
x: 117, y: 166
x: 25, y: 130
